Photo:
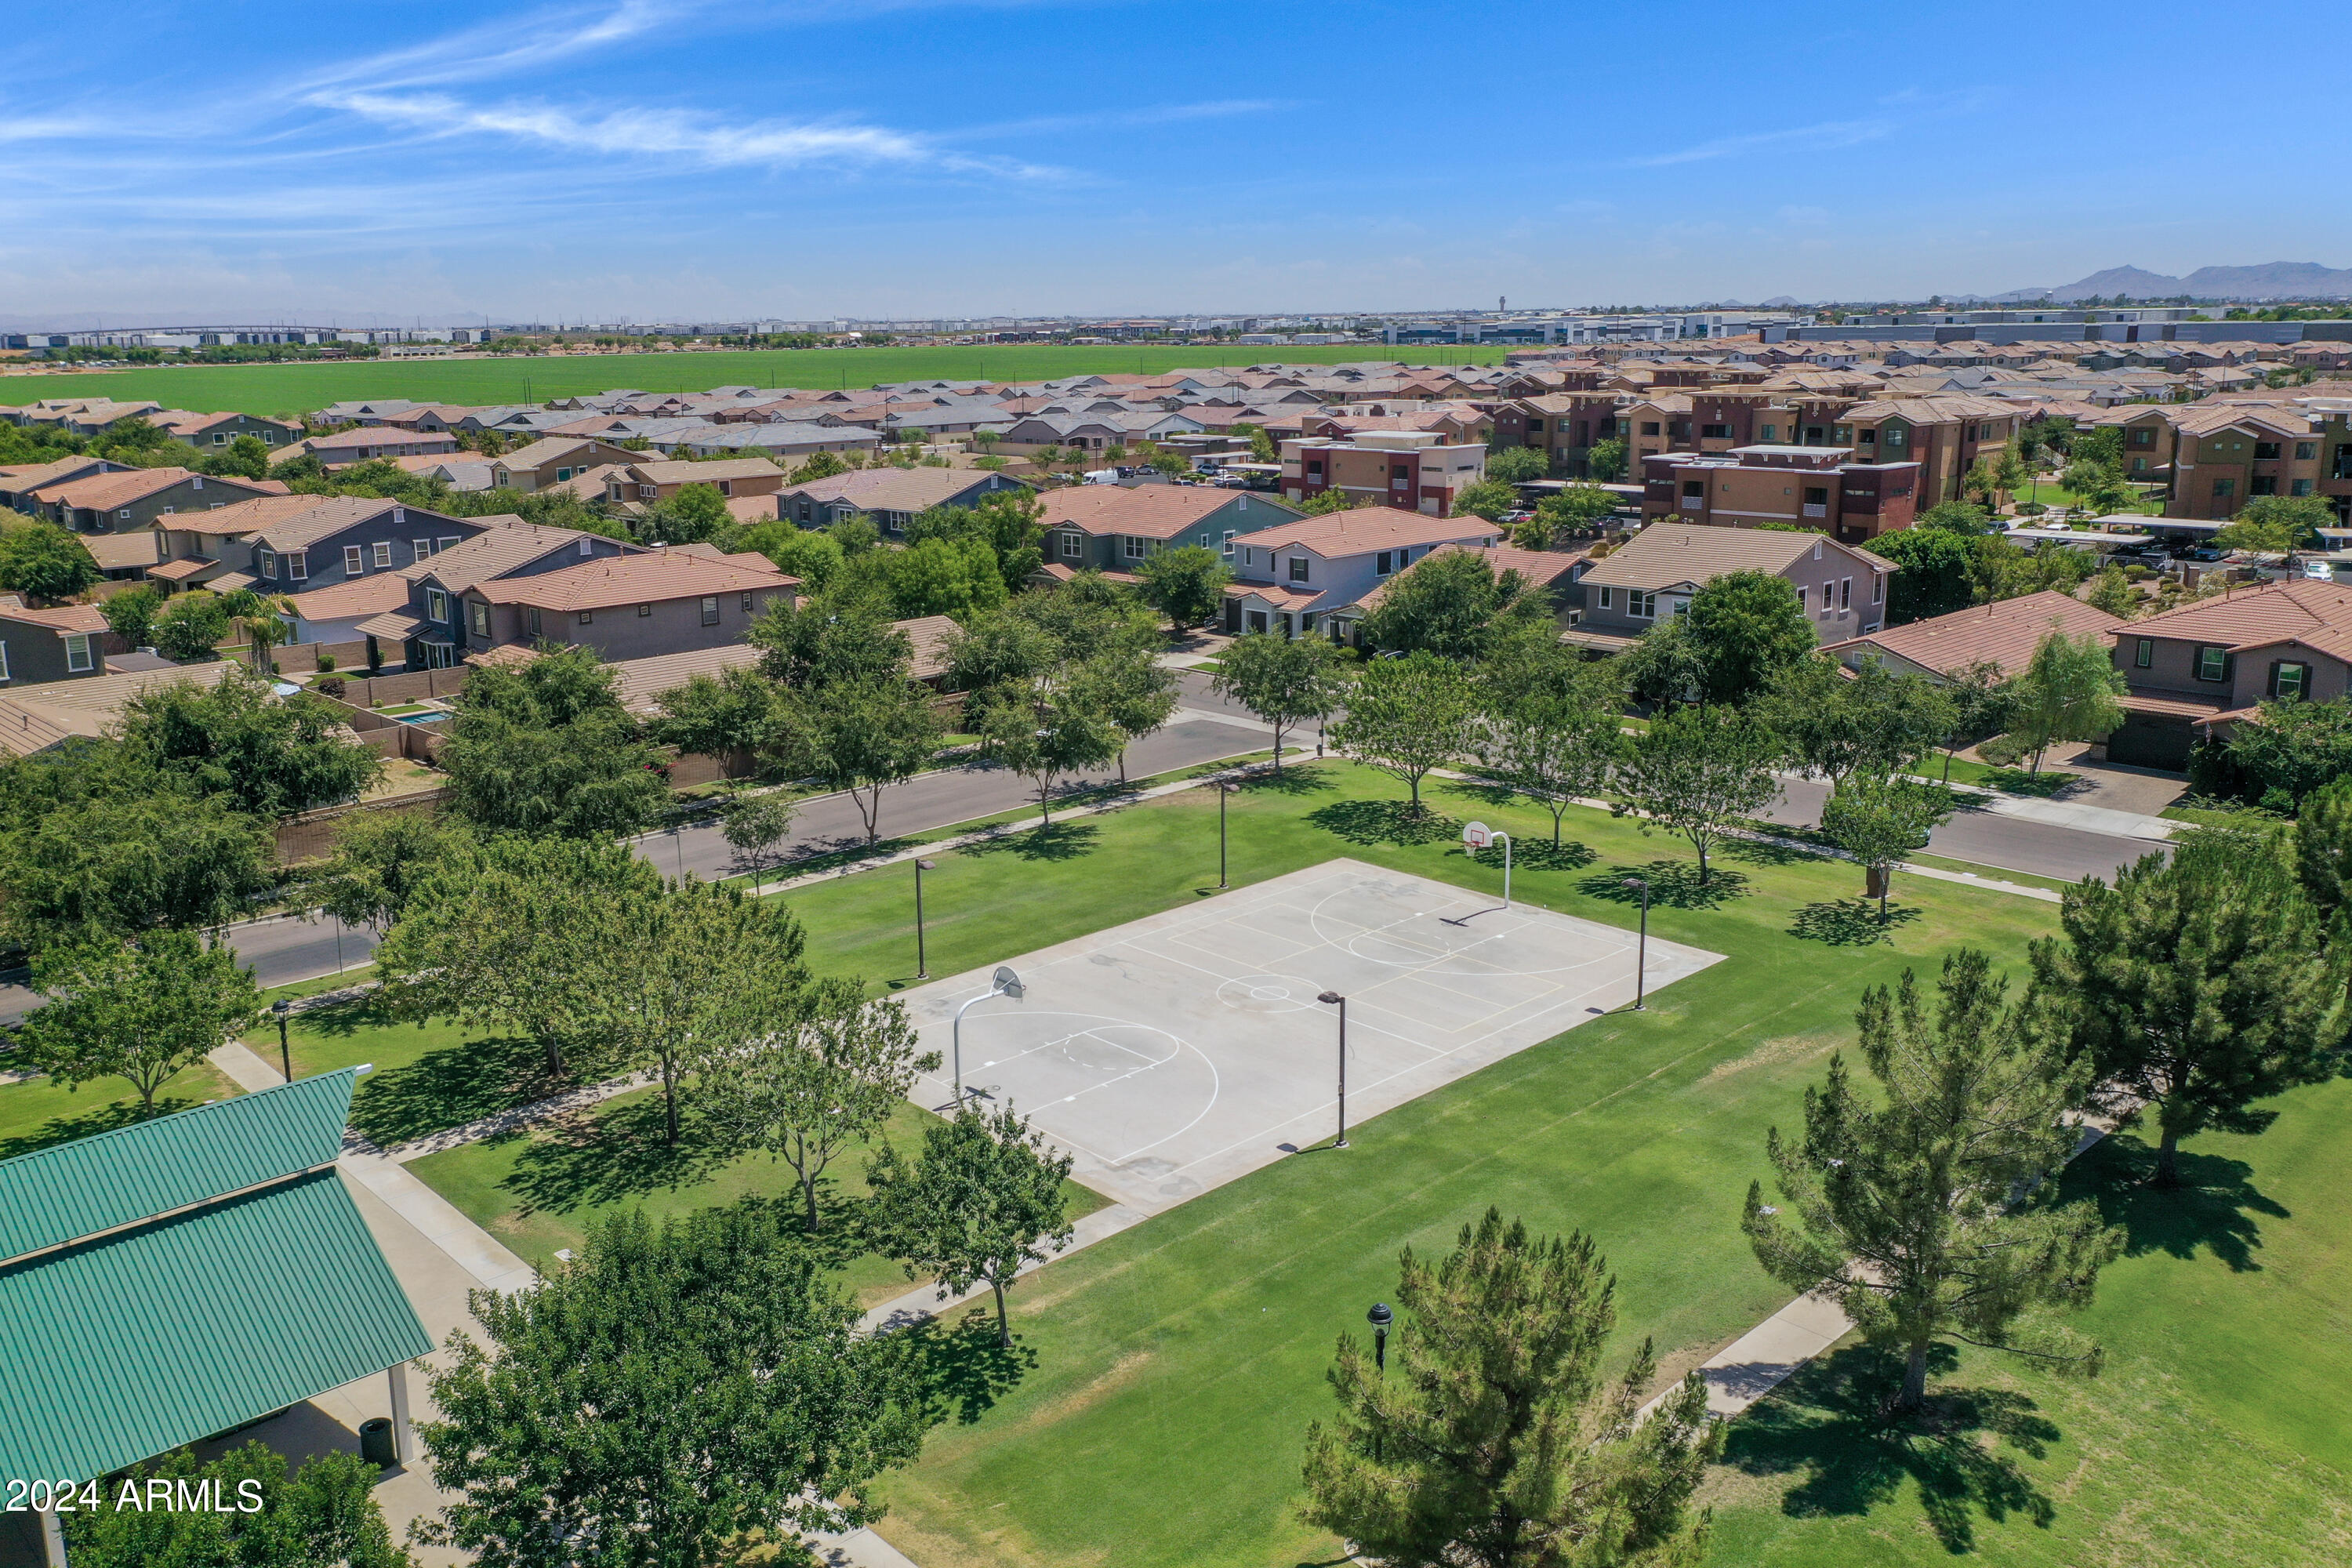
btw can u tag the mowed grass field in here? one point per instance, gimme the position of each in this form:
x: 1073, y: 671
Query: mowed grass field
x: 275, y: 389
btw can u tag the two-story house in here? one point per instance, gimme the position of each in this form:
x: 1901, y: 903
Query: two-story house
x: 1652, y: 577
x: 505, y: 546
x: 889, y: 496
x: 41, y: 646
x: 209, y: 432
x: 1412, y: 470
x: 295, y: 543
x: 1306, y: 573
x: 644, y: 483
x: 552, y: 459
x: 2003, y: 634
x: 1113, y: 528
x: 133, y: 499
x: 2200, y: 669
x: 19, y: 482
x: 338, y: 449
x: 1813, y: 487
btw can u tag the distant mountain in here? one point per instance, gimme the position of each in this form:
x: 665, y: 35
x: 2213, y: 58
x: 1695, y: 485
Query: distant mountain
x: 2271, y: 280
x: 1778, y: 302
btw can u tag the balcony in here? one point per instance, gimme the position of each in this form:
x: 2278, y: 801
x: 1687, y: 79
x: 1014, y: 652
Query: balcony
x: 1693, y: 503
x: 1816, y: 509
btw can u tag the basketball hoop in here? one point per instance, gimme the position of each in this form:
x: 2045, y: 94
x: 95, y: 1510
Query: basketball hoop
x: 1478, y: 835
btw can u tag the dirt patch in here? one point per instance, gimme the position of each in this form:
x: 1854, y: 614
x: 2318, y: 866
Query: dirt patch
x: 1775, y: 1053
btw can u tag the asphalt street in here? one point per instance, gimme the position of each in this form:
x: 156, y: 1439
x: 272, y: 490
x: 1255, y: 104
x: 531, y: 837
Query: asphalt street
x: 1983, y: 838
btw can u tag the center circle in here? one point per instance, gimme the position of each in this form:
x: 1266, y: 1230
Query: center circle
x: 1266, y: 993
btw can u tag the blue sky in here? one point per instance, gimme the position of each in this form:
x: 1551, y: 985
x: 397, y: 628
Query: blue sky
x: 645, y: 159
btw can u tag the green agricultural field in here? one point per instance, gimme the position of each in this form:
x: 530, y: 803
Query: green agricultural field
x: 287, y: 389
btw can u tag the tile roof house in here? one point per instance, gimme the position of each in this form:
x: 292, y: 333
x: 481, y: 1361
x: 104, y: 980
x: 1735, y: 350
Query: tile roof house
x: 19, y: 480
x: 642, y: 483
x: 1840, y: 588
x: 1308, y: 572
x: 890, y: 496
x: 132, y: 498
x: 414, y: 614
x: 34, y: 717
x: 291, y: 544
x: 66, y: 643
x: 1112, y: 528
x: 551, y: 459
x: 2206, y: 665
x: 2004, y: 633
x: 337, y: 447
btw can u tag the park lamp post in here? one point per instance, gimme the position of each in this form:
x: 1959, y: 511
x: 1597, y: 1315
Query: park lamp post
x: 1380, y: 1316
x: 922, y: 967
x: 1333, y: 999
x: 1003, y: 983
x: 284, y: 1058
x: 1223, y: 791
x: 1641, y: 958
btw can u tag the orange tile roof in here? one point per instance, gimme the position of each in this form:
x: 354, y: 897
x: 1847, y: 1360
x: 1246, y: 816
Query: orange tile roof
x: 1147, y: 511
x: 613, y: 580
x: 2005, y: 633
x: 64, y: 618
x: 101, y: 491
x: 2251, y: 618
x: 1372, y: 528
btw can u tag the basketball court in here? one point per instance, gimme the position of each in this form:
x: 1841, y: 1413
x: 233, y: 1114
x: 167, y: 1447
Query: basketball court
x: 1177, y: 1052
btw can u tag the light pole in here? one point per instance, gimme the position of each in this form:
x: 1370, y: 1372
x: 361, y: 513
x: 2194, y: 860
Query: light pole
x: 922, y: 968
x: 285, y: 1057
x: 1333, y: 999
x: 1003, y: 983
x: 1641, y: 959
x: 1223, y: 790
x: 678, y: 840
x: 1380, y: 1316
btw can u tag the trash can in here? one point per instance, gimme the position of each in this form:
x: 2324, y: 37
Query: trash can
x: 376, y: 1445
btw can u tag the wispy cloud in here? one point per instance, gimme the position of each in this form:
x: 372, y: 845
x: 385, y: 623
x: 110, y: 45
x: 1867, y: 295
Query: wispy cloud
x: 1824, y: 137
x: 502, y: 49
x: 1126, y: 119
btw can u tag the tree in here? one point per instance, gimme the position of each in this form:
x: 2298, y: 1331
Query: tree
x: 1325, y: 503
x: 754, y: 825
x: 2115, y: 594
x: 1698, y: 772
x: 1556, y: 742
x: 191, y: 627
x: 667, y: 1393
x: 1879, y: 820
x: 2194, y: 988
x: 1964, y: 518
x: 1132, y: 691
x: 1746, y: 625
x: 984, y: 1198
x: 1575, y: 508
x: 247, y: 457
x: 1408, y: 715
x: 1284, y: 681
x: 2068, y: 691
x: 1495, y: 1441
x: 1513, y: 463
x: 1937, y: 573
x: 1979, y: 696
x: 381, y: 858
x: 131, y: 615
x: 817, y: 1082
x: 589, y: 779
x: 237, y: 739
x: 1870, y: 722
x: 2098, y: 485
x: 128, y: 859
x: 143, y: 1010
x: 2323, y: 850
x: 1923, y: 1210
x: 324, y: 1513
x: 1666, y: 667
x: 256, y: 615
x: 2272, y: 524
x: 1605, y: 461
x: 1047, y: 733
x: 2290, y: 748
x: 1187, y: 585
x: 861, y: 736
x: 46, y: 561
x: 741, y: 709
x: 695, y: 513
x: 816, y: 466
x: 838, y: 635
x: 1453, y: 604
x: 1489, y: 498
x: 812, y: 557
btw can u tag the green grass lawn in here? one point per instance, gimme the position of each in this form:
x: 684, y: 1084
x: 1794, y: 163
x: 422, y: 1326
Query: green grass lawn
x: 2214, y: 1435
x: 1166, y: 1373
x: 271, y: 389
x: 35, y: 1112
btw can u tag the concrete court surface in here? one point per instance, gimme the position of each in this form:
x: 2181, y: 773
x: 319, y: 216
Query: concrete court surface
x: 1175, y: 1053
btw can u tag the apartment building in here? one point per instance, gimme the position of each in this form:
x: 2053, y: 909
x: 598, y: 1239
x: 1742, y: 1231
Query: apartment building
x: 1943, y: 435
x: 1113, y: 528
x: 2225, y: 456
x: 2150, y: 437
x: 1410, y: 470
x: 1312, y: 573
x: 1840, y: 588
x: 1809, y: 487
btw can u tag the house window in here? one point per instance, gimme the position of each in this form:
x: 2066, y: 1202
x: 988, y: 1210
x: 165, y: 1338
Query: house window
x: 1073, y: 546
x: 1877, y: 586
x: 587, y: 617
x: 1136, y: 545
x: 298, y: 565
x: 2212, y: 663
x: 1641, y: 604
x: 1229, y: 541
x: 710, y: 609
x: 1384, y: 562
x: 2299, y: 486
x: 1769, y: 433
x: 2143, y: 652
x: 419, y: 549
x: 442, y: 543
x: 1714, y: 432
x: 124, y: 513
x: 562, y: 475
x: 645, y: 609
x: 1817, y: 543
x: 78, y: 657
x: 1866, y: 438
x: 1606, y: 596
x: 2224, y: 488
x: 354, y: 560
x: 436, y: 604
x: 2290, y: 681
x: 2263, y: 485
x: 2266, y: 451
x: 1845, y: 593
x: 1649, y: 427
x: 2306, y: 450
x: 481, y: 616
x: 383, y: 552
x: 587, y: 547
x: 1895, y: 435
x: 268, y: 564
x: 1800, y: 599
x: 1298, y: 569
x: 4, y: 661
x: 531, y: 620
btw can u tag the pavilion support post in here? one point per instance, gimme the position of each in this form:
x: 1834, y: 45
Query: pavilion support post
x: 403, y: 1445
x: 53, y: 1540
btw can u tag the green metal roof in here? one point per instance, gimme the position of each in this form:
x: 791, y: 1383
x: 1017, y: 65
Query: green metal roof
x: 136, y: 1173
x: 128, y: 1345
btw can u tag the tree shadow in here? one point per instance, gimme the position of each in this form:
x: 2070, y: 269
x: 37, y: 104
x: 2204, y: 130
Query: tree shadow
x: 962, y: 1369
x: 1053, y: 841
x: 2214, y: 1207
x: 1374, y: 822
x: 451, y: 1087
x: 1672, y: 883
x: 1830, y: 1423
x: 107, y: 1118
x: 1775, y: 850
x: 1541, y: 854
x: 606, y: 1155
x: 1292, y: 780
x: 340, y: 1020
x: 1849, y: 923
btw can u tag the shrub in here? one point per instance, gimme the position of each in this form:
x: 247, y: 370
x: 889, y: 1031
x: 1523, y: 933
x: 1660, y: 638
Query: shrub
x: 332, y: 686
x: 326, y: 663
